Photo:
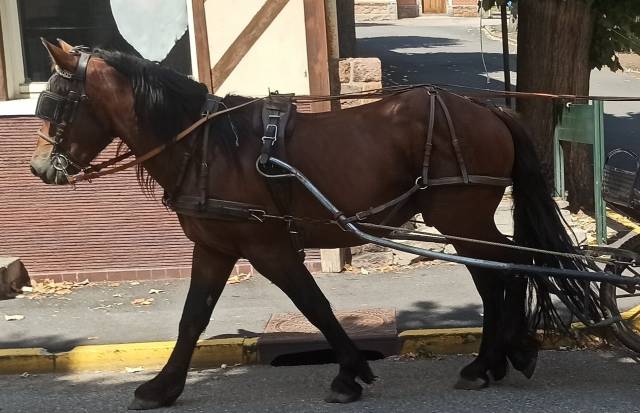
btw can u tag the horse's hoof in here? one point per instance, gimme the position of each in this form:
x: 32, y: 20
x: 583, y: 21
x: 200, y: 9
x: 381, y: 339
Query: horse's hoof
x: 141, y: 404
x: 335, y: 397
x: 344, y: 390
x: 530, y: 368
x: 499, y: 373
x: 471, y: 384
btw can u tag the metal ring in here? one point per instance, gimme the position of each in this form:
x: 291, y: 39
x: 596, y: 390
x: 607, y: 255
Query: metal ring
x: 60, y: 162
x: 420, y: 183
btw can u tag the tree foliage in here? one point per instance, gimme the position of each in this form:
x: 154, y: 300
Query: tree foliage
x: 616, y: 29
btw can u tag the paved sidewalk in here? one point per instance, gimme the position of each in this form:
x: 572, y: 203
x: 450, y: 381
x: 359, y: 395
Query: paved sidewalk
x: 435, y: 296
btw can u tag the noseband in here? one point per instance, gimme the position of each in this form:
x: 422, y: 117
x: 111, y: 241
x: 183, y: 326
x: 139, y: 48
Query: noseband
x: 60, y: 111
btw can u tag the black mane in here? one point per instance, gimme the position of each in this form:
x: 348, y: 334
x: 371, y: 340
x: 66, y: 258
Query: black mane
x: 165, y: 100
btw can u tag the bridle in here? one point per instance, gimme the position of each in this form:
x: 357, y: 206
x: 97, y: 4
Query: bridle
x: 60, y: 112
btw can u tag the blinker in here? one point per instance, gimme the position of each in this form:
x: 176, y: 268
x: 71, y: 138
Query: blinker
x: 50, y: 107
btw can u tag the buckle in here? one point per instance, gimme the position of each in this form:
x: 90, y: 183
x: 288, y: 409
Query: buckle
x: 267, y: 129
x: 257, y: 214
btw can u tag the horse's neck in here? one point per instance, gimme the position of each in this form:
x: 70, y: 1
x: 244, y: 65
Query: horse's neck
x: 163, y: 167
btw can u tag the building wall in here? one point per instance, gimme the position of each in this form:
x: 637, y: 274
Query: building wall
x: 108, y: 225
x: 464, y: 8
x: 277, y: 61
x: 375, y: 10
x: 104, y: 230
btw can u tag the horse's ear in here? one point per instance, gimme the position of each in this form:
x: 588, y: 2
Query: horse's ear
x: 65, y: 46
x: 61, y: 58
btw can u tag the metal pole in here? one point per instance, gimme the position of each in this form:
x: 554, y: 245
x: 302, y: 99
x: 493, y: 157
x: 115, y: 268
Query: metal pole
x: 510, y: 268
x: 505, y: 52
x: 598, y: 166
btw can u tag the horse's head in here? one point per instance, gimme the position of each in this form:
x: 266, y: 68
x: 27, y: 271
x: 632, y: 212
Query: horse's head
x: 80, y: 109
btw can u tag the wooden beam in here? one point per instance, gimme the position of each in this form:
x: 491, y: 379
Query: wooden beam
x: 202, y: 42
x: 317, y: 52
x: 4, y: 92
x: 245, y: 40
x: 333, y: 260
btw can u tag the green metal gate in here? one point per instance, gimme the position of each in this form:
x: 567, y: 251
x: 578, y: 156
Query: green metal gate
x: 584, y: 124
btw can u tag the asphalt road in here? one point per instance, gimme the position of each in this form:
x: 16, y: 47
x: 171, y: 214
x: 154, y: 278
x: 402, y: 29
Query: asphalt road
x: 445, y: 50
x: 576, y: 382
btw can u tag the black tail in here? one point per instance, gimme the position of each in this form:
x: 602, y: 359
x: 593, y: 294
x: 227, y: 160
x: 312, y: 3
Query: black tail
x: 538, y: 224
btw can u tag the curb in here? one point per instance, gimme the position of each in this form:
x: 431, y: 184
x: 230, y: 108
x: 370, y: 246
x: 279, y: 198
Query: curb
x: 118, y: 357
x: 216, y: 352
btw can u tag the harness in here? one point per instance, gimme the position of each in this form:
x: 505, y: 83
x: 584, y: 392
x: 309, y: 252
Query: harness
x: 277, y: 111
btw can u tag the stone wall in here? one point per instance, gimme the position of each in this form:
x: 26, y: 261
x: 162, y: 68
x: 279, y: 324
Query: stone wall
x: 464, y: 8
x: 375, y: 10
x: 359, y: 75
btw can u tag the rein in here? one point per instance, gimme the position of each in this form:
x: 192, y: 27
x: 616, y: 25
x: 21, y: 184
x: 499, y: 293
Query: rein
x: 392, y: 90
x: 94, y: 171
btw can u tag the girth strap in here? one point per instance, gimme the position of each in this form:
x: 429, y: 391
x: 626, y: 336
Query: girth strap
x: 276, y: 112
x: 215, y: 209
x: 210, y: 106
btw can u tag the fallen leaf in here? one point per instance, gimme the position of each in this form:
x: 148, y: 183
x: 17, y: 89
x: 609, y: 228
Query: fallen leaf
x: 81, y: 283
x: 113, y: 284
x: 27, y: 289
x: 235, y: 279
x: 25, y: 374
x: 133, y: 369
x: 14, y: 317
x: 117, y: 295
x: 134, y: 283
x: 142, y: 301
x: 363, y: 271
x: 154, y: 291
x: 92, y: 338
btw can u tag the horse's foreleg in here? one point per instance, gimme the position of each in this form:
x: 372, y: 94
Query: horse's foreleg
x: 287, y: 272
x: 209, y: 273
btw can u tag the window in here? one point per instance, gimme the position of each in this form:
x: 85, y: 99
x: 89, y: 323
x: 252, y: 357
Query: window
x: 81, y: 22
x: 159, y: 31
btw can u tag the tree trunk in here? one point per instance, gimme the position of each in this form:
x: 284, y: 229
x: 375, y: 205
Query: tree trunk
x: 346, y: 28
x: 554, y: 40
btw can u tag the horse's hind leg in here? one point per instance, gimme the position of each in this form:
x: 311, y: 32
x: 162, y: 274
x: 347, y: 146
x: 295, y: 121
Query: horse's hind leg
x: 505, y: 330
x: 282, y: 267
x: 468, y: 212
x: 209, y: 274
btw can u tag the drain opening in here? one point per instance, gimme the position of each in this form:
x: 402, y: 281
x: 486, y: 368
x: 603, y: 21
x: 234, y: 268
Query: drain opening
x: 325, y: 356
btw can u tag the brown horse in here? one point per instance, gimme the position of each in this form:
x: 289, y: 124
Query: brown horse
x: 358, y: 157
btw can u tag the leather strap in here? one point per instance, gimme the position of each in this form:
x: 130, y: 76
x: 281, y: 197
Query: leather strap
x: 215, y: 209
x: 471, y: 179
x: 157, y: 150
x: 363, y: 215
x: 428, y: 146
x: 454, y: 140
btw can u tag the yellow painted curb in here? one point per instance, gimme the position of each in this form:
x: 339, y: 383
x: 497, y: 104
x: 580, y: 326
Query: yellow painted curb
x: 440, y: 341
x: 213, y: 353
x: 115, y: 357
x: 32, y: 360
x: 624, y: 221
